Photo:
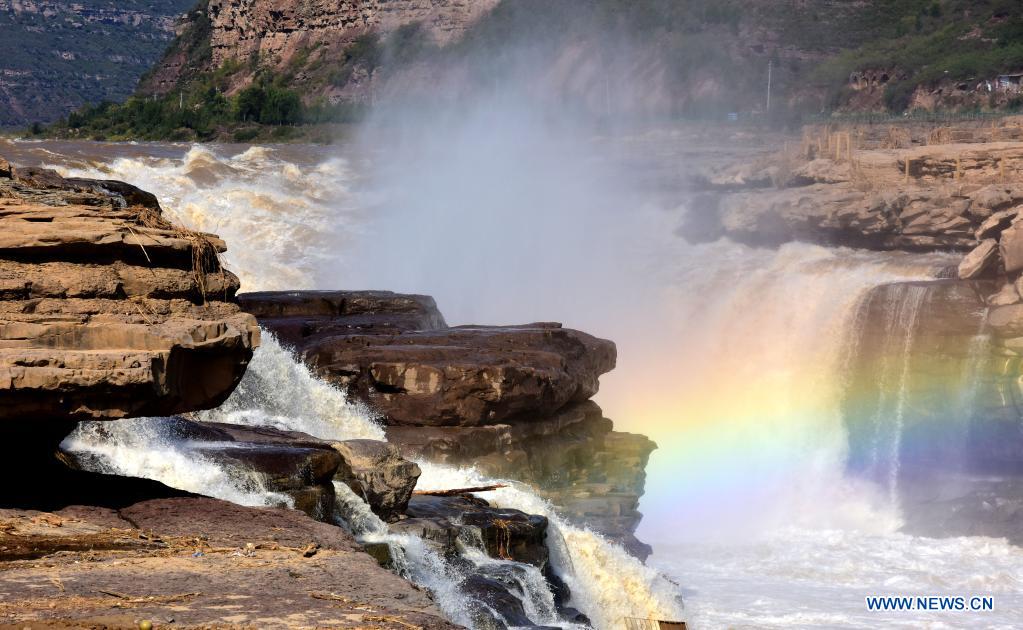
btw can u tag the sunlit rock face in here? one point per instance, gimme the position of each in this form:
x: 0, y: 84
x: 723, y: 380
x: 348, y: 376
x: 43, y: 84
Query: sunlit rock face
x: 933, y: 405
x: 107, y: 310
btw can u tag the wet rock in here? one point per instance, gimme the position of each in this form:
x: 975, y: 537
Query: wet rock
x: 980, y: 260
x: 106, y: 309
x: 376, y: 471
x: 503, y: 533
x: 436, y: 376
x: 574, y: 458
x: 496, y: 596
x: 305, y: 467
x: 292, y: 463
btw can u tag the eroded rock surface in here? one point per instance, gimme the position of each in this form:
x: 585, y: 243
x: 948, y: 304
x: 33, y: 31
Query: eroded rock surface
x: 106, y: 309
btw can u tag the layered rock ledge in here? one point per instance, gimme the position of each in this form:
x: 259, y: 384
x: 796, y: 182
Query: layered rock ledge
x: 919, y: 198
x: 395, y: 352
x: 107, y: 310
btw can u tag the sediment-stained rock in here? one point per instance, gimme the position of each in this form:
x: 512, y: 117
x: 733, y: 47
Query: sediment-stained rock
x: 106, y: 309
x: 503, y: 533
x: 400, y: 359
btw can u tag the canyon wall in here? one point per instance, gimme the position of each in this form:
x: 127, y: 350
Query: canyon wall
x: 56, y: 55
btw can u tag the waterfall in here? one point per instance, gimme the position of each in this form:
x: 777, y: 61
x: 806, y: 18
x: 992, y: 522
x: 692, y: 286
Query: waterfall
x: 606, y: 582
x: 146, y: 447
x: 893, y: 382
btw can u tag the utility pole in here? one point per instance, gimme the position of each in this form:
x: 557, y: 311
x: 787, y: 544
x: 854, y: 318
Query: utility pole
x: 770, y: 63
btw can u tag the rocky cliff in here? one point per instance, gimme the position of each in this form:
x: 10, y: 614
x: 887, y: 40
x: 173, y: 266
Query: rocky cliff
x: 297, y: 36
x: 57, y: 55
x: 859, y: 188
x: 106, y: 309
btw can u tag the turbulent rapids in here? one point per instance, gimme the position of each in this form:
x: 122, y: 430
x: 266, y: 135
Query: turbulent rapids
x: 793, y: 394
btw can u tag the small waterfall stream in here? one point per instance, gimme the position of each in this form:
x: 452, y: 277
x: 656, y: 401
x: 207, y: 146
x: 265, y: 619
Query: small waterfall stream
x: 892, y: 378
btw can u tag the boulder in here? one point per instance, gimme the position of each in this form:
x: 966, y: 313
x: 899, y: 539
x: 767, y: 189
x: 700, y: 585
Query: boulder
x: 399, y: 358
x: 980, y: 260
x: 1006, y: 295
x: 1011, y: 248
x: 376, y: 471
x: 501, y: 533
x: 994, y: 224
x: 1006, y: 321
x: 993, y: 198
x: 107, y: 310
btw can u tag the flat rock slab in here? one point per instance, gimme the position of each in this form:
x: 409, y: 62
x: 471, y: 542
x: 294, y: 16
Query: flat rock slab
x: 393, y: 352
x: 198, y: 562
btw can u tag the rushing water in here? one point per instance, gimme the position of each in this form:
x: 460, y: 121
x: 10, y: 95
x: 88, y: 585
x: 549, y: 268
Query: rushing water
x: 606, y: 582
x: 736, y: 361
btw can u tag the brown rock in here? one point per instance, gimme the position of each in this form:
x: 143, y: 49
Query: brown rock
x: 994, y: 224
x: 993, y: 198
x: 593, y: 474
x: 193, y: 560
x: 980, y: 260
x: 506, y: 533
x: 104, y: 312
x: 1011, y: 248
x: 1007, y: 321
x: 1006, y: 296
x: 416, y: 373
x: 376, y: 472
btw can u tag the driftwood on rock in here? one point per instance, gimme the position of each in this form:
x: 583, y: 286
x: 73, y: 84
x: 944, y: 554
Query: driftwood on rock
x: 455, y: 492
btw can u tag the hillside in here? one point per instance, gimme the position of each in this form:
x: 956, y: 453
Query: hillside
x: 56, y: 55
x: 240, y: 65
